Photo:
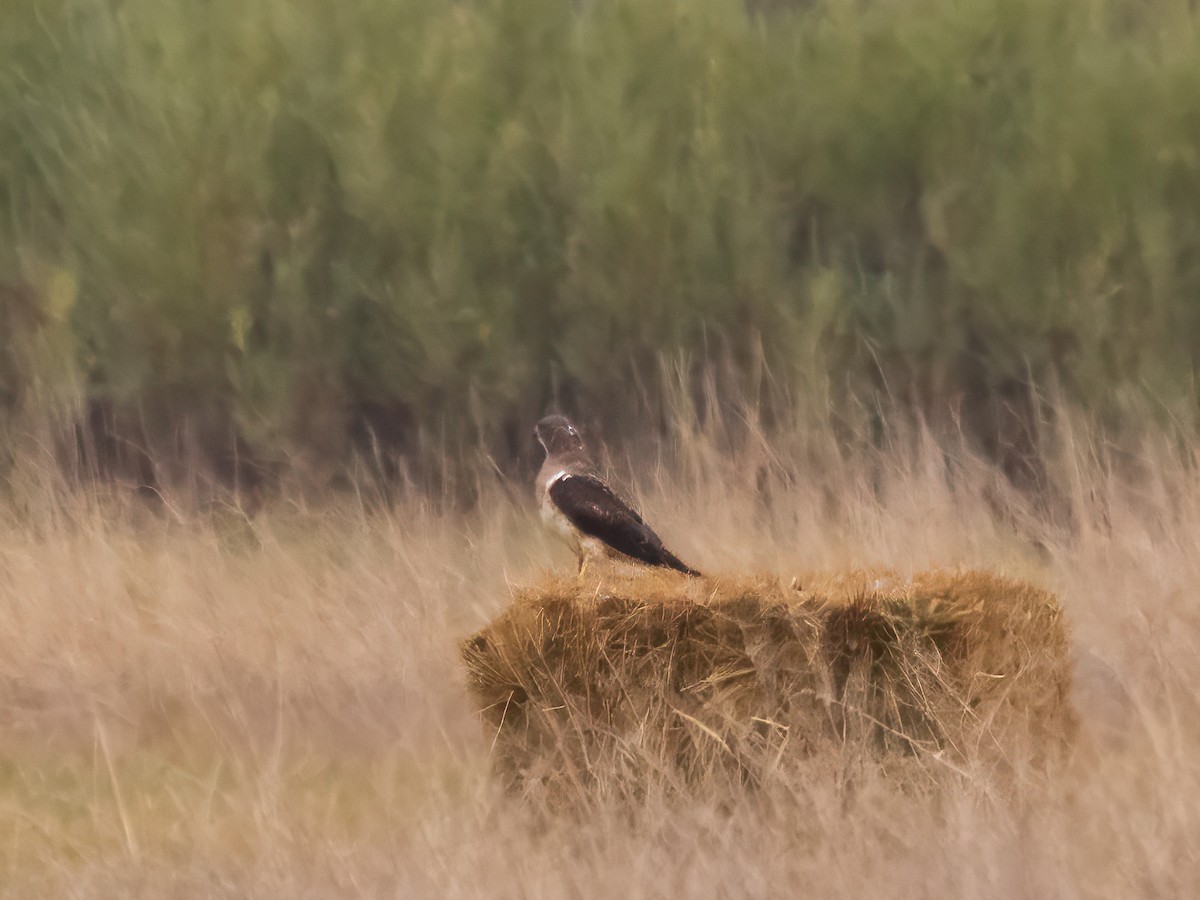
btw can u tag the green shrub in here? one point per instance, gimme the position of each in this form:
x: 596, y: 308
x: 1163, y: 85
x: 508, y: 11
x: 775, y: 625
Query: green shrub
x: 314, y: 226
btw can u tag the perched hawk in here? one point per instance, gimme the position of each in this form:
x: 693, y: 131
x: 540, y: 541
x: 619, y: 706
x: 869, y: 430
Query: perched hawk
x: 575, y: 500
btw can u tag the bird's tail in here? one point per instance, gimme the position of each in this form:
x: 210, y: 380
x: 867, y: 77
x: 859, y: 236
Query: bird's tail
x: 671, y: 561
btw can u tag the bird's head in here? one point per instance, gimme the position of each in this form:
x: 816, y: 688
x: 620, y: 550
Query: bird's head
x: 558, y: 436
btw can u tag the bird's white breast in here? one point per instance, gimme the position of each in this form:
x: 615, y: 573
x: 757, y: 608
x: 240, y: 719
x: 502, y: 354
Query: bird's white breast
x: 552, y: 515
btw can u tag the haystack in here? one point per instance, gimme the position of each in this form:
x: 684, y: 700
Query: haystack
x: 662, y: 677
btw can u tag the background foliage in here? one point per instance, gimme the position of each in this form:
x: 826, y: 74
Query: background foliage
x: 291, y: 231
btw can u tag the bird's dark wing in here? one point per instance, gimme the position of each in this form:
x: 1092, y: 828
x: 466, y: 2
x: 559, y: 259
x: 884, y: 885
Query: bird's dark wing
x: 594, y: 509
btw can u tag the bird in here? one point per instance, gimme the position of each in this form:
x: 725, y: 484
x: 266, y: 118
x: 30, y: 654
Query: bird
x: 574, y: 500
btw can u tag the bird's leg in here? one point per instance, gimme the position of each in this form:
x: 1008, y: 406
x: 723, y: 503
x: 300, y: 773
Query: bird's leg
x: 581, y: 554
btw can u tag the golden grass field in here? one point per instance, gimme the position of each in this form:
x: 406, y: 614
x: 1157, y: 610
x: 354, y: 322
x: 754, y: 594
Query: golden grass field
x: 210, y: 704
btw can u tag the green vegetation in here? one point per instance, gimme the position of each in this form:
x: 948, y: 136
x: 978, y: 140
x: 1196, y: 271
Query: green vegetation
x: 316, y: 226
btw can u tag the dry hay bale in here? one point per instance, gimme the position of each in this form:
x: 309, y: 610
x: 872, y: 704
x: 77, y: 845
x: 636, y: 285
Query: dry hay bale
x: 685, y: 679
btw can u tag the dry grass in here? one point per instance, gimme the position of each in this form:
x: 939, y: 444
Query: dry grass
x: 215, y: 706
x: 658, y: 677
